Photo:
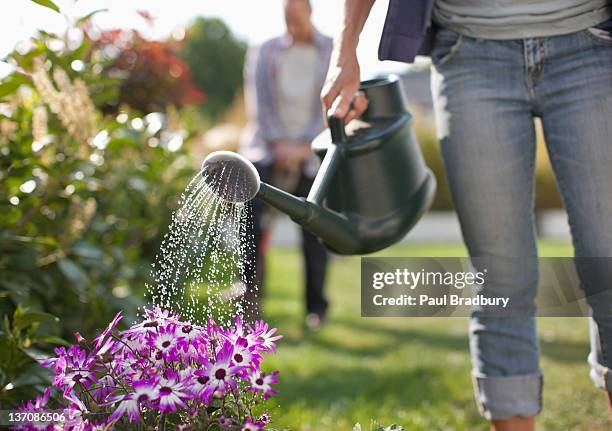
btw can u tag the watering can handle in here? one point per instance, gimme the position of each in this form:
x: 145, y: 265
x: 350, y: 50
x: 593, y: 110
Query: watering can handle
x: 336, y: 127
x: 330, y: 162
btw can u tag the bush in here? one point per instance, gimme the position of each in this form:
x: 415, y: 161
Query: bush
x: 85, y: 199
x: 153, y: 77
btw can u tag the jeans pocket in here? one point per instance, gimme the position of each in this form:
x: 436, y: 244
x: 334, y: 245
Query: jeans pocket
x: 445, y: 47
x: 599, y: 35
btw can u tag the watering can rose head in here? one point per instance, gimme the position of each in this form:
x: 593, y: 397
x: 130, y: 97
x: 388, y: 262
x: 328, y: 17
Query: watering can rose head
x: 231, y: 176
x: 163, y: 372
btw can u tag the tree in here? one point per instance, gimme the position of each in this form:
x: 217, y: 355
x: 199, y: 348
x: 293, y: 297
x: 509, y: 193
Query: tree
x: 216, y: 59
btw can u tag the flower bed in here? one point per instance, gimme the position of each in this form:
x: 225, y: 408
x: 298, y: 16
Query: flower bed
x: 162, y: 373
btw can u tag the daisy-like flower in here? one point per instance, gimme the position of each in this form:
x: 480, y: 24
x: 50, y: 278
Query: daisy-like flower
x: 237, y: 332
x: 243, y: 356
x: 134, y: 346
x: 75, y: 369
x: 201, y: 385
x: 225, y: 422
x: 221, y: 372
x: 252, y: 425
x: 74, y: 419
x: 74, y: 401
x: 189, y: 338
x: 164, y: 341
x: 265, y: 418
x: 105, y: 386
x: 145, y: 391
x: 163, y: 316
x: 267, y: 337
x: 262, y: 382
x: 171, y: 392
x: 154, y: 318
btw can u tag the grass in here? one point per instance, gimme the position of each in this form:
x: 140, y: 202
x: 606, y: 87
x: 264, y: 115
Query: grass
x: 410, y: 371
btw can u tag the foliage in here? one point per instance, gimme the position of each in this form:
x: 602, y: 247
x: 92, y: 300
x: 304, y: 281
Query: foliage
x: 84, y: 196
x: 216, y: 59
x: 48, y: 4
x: 153, y: 76
x: 163, y: 372
x: 22, y: 337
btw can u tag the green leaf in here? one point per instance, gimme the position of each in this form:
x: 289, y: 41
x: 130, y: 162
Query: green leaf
x: 23, y: 319
x: 89, y: 15
x: 34, y: 353
x: 74, y: 273
x: 12, y: 83
x: 48, y: 4
x: 53, y: 340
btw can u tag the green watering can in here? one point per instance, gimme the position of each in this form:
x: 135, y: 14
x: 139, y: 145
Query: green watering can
x: 372, y: 186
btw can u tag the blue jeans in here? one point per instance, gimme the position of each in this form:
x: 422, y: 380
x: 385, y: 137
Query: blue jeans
x: 486, y: 95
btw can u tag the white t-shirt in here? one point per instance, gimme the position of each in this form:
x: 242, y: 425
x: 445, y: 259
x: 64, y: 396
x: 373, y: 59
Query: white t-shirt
x: 297, y: 87
x: 518, y: 19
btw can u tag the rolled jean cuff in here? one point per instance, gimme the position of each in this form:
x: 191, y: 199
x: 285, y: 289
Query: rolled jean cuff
x: 600, y: 374
x: 505, y: 397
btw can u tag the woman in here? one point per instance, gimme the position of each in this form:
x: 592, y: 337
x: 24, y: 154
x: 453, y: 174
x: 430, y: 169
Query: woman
x: 497, y: 66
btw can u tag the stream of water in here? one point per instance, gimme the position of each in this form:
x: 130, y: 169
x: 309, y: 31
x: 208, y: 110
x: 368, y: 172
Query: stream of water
x: 203, y: 264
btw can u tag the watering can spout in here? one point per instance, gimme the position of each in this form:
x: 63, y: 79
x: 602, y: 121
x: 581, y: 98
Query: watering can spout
x: 330, y: 226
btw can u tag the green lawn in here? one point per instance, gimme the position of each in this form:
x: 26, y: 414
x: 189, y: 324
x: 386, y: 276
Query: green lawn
x: 414, y: 372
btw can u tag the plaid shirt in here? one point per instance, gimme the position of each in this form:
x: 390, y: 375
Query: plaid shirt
x: 261, y: 88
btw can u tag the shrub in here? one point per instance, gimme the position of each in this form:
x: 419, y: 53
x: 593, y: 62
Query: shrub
x: 85, y: 197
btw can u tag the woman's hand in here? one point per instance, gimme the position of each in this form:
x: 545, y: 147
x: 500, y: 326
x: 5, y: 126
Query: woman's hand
x: 340, y: 96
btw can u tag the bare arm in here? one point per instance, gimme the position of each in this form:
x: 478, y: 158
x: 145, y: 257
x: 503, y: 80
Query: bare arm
x: 343, y: 76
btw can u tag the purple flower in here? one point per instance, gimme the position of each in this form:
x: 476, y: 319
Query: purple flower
x: 265, y: 418
x: 252, y: 425
x: 171, y: 392
x: 100, y: 340
x: 244, y: 357
x: 164, y: 340
x: 237, y: 332
x: 261, y: 382
x: 74, y: 419
x: 190, y: 337
x: 268, y: 339
x: 145, y: 391
x: 221, y: 372
x: 201, y: 387
x: 73, y: 367
x: 225, y: 422
x: 105, y: 387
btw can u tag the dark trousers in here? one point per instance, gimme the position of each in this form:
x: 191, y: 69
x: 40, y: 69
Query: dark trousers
x: 315, y: 254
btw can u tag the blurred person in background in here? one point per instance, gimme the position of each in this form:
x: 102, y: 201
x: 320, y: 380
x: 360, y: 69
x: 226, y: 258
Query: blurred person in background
x: 283, y: 80
x: 497, y: 66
